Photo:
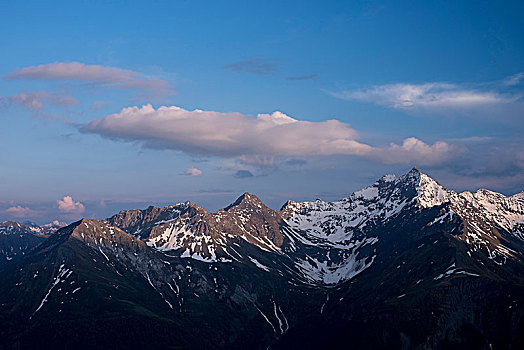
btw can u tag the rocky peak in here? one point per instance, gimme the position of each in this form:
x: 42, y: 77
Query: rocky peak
x: 100, y: 233
x: 389, y: 193
x: 140, y: 222
x: 13, y: 224
x: 388, y: 178
x: 499, y: 210
x: 44, y: 230
x: 16, y: 240
x: 427, y: 191
x: 519, y: 196
x: 14, y: 227
x: 87, y: 228
x: 205, y: 236
x: 49, y: 228
x: 430, y: 193
x: 250, y: 218
x: 290, y: 208
x: 505, y: 212
x: 413, y: 175
x: 246, y: 200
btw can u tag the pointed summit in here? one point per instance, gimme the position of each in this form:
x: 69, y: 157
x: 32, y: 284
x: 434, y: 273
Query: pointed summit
x: 413, y: 175
x: 246, y: 199
x: 140, y: 222
x: 519, y: 196
x: 429, y: 192
x: 417, y: 185
x: 94, y: 233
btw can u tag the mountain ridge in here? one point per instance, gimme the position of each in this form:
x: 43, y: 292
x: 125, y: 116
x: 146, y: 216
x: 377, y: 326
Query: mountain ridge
x: 402, y: 263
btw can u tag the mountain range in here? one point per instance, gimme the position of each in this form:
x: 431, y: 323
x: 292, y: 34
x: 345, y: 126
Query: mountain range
x: 402, y: 264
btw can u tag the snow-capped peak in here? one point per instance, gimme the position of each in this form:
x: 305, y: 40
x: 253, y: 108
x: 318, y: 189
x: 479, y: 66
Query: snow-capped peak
x: 430, y: 193
x: 519, y: 196
x: 389, y: 178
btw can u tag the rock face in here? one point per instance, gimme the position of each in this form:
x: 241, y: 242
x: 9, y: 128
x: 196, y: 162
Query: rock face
x: 206, y: 236
x: 403, y: 263
x: 140, y: 222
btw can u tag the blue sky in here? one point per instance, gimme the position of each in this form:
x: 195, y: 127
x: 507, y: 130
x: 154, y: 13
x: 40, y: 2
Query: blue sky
x: 106, y: 106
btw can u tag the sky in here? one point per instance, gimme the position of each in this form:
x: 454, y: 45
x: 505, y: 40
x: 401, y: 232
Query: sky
x: 117, y: 105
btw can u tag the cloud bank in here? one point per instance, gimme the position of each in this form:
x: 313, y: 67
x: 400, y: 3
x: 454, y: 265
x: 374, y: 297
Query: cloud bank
x: 252, y: 140
x: 107, y: 77
x: 20, y: 212
x: 427, y: 96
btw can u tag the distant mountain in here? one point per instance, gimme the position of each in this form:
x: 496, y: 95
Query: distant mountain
x: 47, y: 229
x: 403, y: 263
x: 16, y: 240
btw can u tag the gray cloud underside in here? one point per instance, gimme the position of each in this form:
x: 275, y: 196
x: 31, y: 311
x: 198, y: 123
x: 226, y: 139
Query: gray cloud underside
x: 302, y: 77
x: 243, y: 174
x: 253, y: 140
x: 107, y: 77
x: 260, y: 66
x: 36, y: 99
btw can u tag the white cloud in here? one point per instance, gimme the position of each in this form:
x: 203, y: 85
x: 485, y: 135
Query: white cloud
x: 20, y: 212
x: 250, y: 140
x: 68, y: 205
x: 97, y: 105
x: 426, y: 96
x: 109, y: 77
x: 514, y: 80
x: 415, y: 151
x: 471, y: 139
x: 227, y: 134
x: 193, y: 172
